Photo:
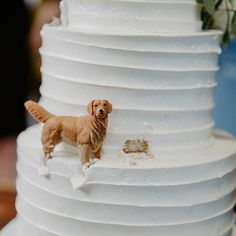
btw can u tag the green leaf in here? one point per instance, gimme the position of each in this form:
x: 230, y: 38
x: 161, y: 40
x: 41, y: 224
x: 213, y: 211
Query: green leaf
x: 233, y: 25
x: 210, y: 6
x: 207, y: 20
x: 218, y: 3
x: 208, y: 24
x: 226, y: 38
x: 232, y: 2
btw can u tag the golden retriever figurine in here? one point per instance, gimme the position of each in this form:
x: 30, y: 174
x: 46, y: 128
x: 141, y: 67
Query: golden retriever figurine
x: 88, y: 131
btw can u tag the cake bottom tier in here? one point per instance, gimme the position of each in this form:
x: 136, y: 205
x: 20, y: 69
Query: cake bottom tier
x: 186, y: 193
x: 10, y: 229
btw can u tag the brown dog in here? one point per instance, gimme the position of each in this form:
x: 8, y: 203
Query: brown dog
x: 88, y: 131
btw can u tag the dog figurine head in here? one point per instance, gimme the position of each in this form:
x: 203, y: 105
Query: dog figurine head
x: 99, y: 108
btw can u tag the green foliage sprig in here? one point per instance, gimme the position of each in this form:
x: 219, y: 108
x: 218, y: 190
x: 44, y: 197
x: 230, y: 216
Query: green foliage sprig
x: 214, y: 11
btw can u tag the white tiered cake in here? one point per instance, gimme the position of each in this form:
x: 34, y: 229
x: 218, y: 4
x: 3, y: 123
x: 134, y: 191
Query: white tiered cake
x: 151, y: 60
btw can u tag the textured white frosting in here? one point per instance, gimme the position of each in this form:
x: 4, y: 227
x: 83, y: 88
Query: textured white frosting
x: 166, y: 81
x: 149, y: 58
x: 137, y: 16
x: 165, y: 194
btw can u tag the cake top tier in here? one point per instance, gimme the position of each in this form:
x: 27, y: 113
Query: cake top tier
x: 132, y: 16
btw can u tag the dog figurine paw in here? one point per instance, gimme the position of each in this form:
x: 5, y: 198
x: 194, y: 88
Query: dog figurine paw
x: 88, y: 131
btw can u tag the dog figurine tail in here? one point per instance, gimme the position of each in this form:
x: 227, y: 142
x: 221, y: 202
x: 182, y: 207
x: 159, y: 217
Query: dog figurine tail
x: 38, y: 112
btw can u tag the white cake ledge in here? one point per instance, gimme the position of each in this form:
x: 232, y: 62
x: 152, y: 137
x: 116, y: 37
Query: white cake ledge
x: 10, y: 229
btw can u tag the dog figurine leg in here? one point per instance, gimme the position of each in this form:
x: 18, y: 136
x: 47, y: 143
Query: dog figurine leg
x: 51, y: 136
x: 97, y: 154
x: 85, y: 157
x: 47, y: 151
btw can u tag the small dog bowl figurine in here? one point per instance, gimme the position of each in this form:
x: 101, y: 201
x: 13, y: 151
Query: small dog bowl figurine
x: 88, y: 131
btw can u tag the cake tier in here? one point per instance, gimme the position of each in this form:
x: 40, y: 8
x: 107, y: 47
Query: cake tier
x: 10, y: 229
x: 136, y: 16
x: 174, y: 194
x: 165, y: 81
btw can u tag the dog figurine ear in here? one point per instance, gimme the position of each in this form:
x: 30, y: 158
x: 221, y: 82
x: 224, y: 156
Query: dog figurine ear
x: 90, y: 107
x: 109, y: 107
